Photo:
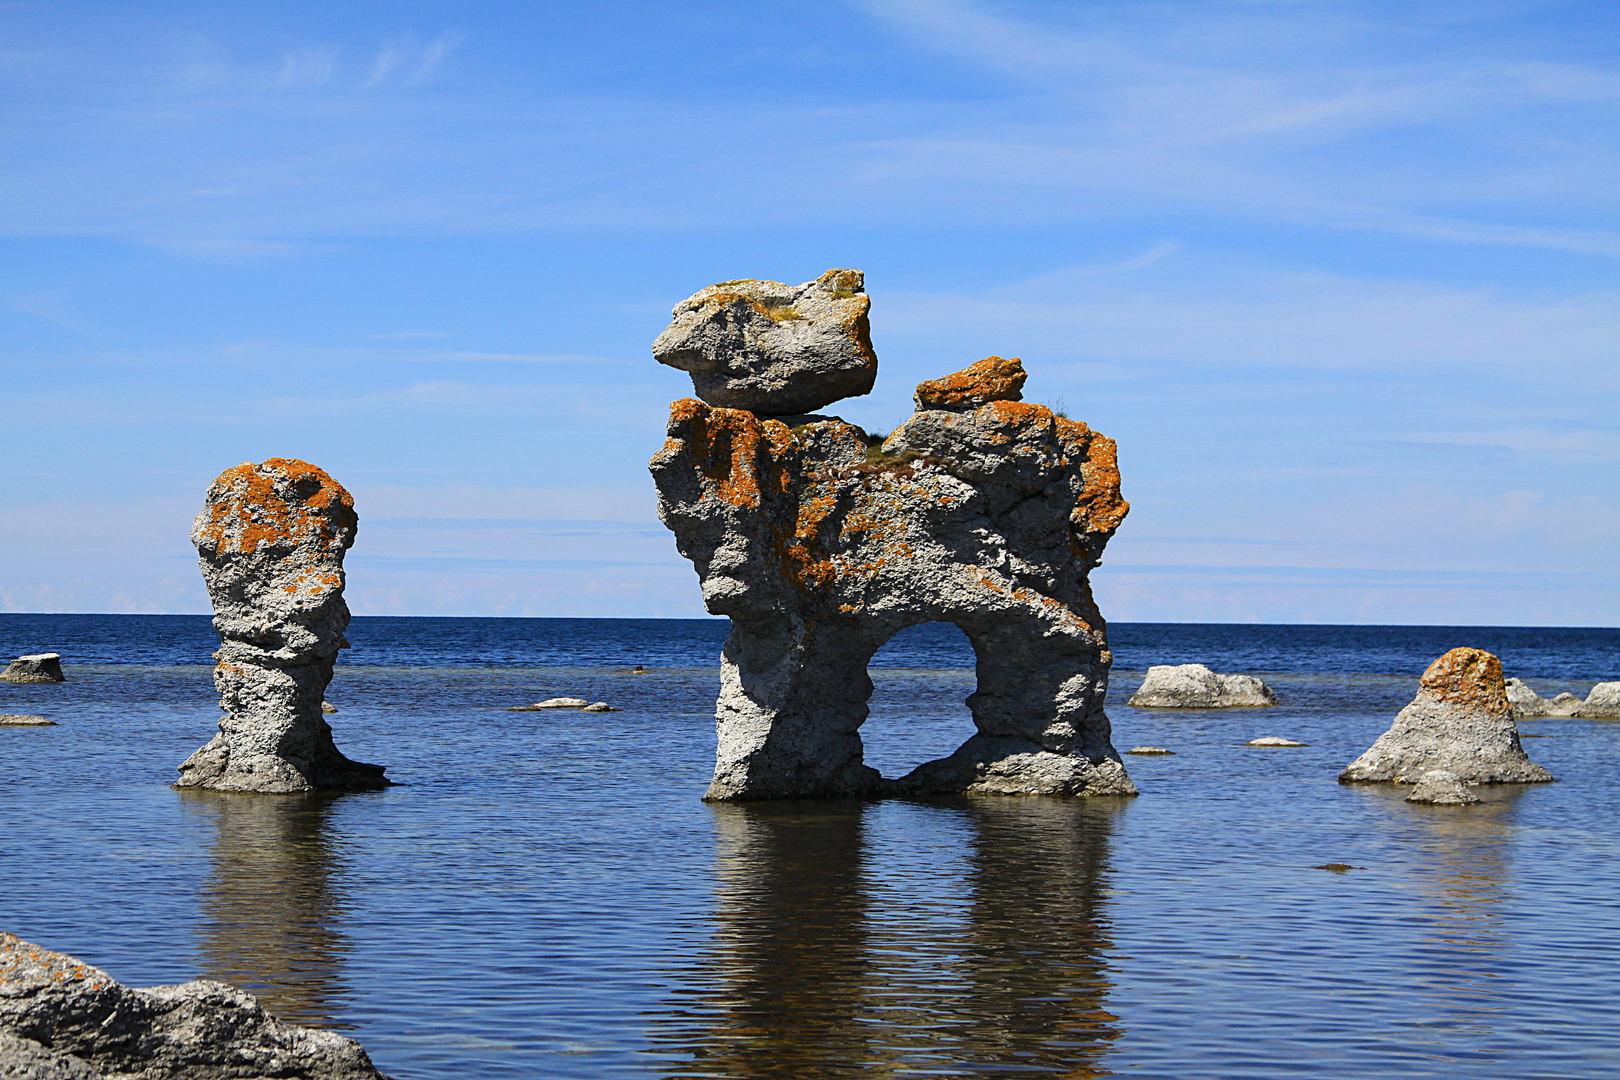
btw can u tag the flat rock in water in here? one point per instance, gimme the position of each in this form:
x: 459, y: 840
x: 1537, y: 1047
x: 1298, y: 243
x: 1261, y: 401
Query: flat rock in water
x: 1442, y: 788
x: 552, y: 703
x: 14, y: 720
x: 35, y: 668
x: 1273, y: 740
x: 1194, y: 686
x: 600, y: 706
x: 1603, y: 703
x: 328, y: 707
x: 61, y: 1019
x: 1460, y: 722
x: 1146, y: 751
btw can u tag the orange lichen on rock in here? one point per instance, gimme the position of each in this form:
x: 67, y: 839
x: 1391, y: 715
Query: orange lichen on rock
x: 1468, y: 677
x: 990, y: 379
x: 278, y: 503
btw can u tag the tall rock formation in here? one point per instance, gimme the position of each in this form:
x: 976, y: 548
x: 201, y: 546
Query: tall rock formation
x: 980, y: 510
x: 270, y: 541
x: 1459, y: 723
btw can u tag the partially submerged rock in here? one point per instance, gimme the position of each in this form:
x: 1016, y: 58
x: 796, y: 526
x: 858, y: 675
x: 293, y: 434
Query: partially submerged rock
x: 1442, y: 788
x: 1460, y: 722
x: 1273, y: 740
x: 1149, y: 751
x: 1603, y: 703
x: 552, y: 703
x: 1194, y: 686
x: 600, y: 706
x: 1525, y: 702
x: 988, y: 516
x: 35, y: 668
x: 270, y: 541
x: 18, y: 720
x: 771, y: 348
x: 61, y: 1019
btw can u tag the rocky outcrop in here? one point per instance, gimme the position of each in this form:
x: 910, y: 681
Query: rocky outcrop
x: 270, y: 541
x: 1441, y: 788
x: 36, y: 668
x: 771, y: 348
x: 988, y: 514
x: 61, y: 1019
x: 1603, y: 703
x: 1525, y: 702
x: 1460, y: 722
x: 1194, y: 686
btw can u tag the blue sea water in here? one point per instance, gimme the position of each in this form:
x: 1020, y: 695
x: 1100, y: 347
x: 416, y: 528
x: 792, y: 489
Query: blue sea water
x: 543, y: 895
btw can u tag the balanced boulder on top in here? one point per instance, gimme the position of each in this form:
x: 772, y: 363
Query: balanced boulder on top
x: 1460, y: 723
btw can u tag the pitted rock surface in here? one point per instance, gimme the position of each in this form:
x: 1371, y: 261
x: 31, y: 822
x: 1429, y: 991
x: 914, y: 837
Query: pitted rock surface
x: 771, y: 348
x: 62, y: 1018
x: 1460, y: 722
x: 991, y: 379
x: 270, y: 541
x: 1441, y: 788
x: 37, y: 668
x: 1194, y: 686
x: 990, y: 518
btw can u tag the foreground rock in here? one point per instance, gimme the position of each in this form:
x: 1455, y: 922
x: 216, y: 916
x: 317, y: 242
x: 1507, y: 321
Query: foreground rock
x: 62, y: 1018
x: 1442, y: 788
x: 1194, y: 686
x: 1603, y: 703
x: 1525, y: 702
x: 771, y: 348
x: 17, y: 720
x: 271, y: 540
x: 36, y: 668
x: 1460, y: 722
x: 989, y: 514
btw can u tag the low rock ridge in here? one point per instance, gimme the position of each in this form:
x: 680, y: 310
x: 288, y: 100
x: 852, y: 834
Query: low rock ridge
x: 270, y: 541
x: 1194, y: 686
x: 820, y: 545
x: 35, y: 668
x: 1459, y: 723
x: 62, y: 1019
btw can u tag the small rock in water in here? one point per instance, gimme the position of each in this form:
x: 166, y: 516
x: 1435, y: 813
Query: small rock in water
x: 36, y: 668
x: 1442, y: 788
x: 14, y: 720
x: 1603, y: 703
x: 1338, y: 867
x: 1273, y: 740
x: 600, y: 706
x: 1194, y: 686
x: 552, y: 703
x: 1147, y: 750
x: 328, y: 707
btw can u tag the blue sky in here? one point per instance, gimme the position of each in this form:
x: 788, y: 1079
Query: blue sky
x: 1341, y: 279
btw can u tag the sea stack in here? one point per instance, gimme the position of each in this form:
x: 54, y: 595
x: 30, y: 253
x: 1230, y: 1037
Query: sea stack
x: 270, y: 541
x: 1194, y: 686
x: 36, y: 668
x: 1459, y: 723
x: 980, y: 510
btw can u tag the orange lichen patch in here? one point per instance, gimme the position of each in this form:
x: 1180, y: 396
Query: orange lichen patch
x: 279, y: 502
x: 735, y: 450
x: 1468, y: 677
x: 1100, y: 507
x: 990, y: 379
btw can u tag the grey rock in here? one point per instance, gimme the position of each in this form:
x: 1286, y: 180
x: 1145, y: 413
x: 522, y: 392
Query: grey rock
x: 1442, y: 788
x: 17, y: 720
x: 1460, y: 722
x: 771, y: 348
x: 1603, y: 703
x: 270, y: 541
x: 600, y: 706
x: 328, y: 708
x: 61, y: 1019
x: 1149, y: 751
x: 35, y: 668
x: 1273, y: 740
x: 1194, y: 686
x: 990, y: 518
x: 1525, y: 702
x: 552, y: 703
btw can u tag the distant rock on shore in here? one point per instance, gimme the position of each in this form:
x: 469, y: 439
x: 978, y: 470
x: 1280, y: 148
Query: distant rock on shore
x: 1460, y: 722
x: 36, y: 668
x: 61, y: 1019
x: 1194, y: 686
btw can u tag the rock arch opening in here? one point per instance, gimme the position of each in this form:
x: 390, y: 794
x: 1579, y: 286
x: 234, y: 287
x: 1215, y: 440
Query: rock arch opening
x: 918, y: 711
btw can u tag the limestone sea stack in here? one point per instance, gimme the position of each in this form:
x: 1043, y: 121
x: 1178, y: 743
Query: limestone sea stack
x: 1460, y: 723
x: 980, y: 510
x: 36, y: 668
x: 771, y: 348
x: 1194, y: 686
x: 271, y: 540
x: 61, y: 1019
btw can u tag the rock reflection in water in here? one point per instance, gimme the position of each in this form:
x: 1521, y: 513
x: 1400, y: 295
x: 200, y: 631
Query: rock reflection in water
x: 270, y: 906
x: 943, y: 938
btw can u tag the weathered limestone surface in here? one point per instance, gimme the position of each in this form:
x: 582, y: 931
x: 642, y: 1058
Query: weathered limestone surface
x: 1194, y: 686
x: 61, y: 1019
x: 1603, y: 703
x: 772, y: 348
x: 1460, y: 722
x: 989, y: 515
x: 270, y: 541
x: 1526, y: 702
x: 37, y: 668
x: 1442, y: 788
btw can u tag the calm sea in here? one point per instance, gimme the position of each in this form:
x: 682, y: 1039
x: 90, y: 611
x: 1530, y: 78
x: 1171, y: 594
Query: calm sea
x: 543, y: 895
